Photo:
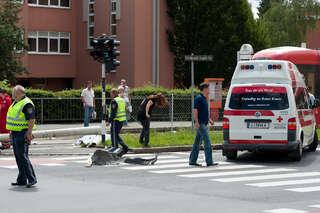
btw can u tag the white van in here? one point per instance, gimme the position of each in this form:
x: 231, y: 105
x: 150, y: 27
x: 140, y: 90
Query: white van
x: 268, y: 108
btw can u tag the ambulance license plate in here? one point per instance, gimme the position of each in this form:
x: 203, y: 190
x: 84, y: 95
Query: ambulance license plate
x: 257, y: 125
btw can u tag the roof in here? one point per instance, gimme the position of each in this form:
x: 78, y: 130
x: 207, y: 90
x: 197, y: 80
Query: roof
x: 296, y: 55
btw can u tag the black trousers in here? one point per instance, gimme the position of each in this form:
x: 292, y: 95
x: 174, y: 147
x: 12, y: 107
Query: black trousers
x: 115, y: 129
x: 21, y: 153
x: 145, y: 134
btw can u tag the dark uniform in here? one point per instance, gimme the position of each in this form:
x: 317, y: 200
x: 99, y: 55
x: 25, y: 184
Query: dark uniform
x: 21, y: 149
x: 116, y: 126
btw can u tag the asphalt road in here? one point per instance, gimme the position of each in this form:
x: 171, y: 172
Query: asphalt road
x: 264, y: 182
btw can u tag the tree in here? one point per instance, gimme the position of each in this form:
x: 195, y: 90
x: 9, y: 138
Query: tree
x: 211, y: 27
x: 289, y: 21
x: 265, y: 6
x: 11, y: 40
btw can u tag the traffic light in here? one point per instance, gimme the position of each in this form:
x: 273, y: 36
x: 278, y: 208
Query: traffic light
x: 113, y: 53
x: 105, y: 51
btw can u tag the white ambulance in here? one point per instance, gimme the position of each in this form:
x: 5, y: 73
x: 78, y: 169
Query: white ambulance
x: 268, y: 108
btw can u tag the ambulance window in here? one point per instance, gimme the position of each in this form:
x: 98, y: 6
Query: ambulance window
x: 307, y: 99
x: 301, y: 99
x: 264, y: 100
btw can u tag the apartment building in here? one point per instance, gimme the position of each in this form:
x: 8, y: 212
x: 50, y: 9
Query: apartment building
x: 59, y: 33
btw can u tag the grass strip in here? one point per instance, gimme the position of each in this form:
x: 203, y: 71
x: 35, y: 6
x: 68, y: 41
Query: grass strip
x: 181, y: 137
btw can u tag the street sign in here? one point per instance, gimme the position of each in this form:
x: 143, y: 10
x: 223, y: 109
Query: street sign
x: 198, y: 58
x: 192, y: 58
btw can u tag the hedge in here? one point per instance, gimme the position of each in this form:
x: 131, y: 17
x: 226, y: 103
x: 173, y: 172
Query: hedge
x: 74, y: 93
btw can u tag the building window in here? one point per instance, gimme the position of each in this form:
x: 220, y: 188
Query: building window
x: 50, y: 3
x: 114, y: 16
x: 43, y: 42
x: 90, y: 22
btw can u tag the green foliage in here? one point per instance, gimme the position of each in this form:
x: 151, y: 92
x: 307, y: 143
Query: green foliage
x: 289, y: 21
x: 4, y: 84
x: 11, y: 40
x: 265, y: 6
x: 211, y: 27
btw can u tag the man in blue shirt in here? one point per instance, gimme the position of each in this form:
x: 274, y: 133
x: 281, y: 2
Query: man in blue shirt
x: 201, y: 119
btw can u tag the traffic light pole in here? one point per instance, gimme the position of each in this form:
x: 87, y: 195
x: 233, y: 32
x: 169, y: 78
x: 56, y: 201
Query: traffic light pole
x: 104, y: 108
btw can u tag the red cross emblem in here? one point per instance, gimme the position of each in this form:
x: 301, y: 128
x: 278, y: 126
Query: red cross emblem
x: 279, y: 119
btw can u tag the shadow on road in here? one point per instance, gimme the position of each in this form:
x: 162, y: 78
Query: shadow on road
x: 272, y: 157
x: 24, y: 189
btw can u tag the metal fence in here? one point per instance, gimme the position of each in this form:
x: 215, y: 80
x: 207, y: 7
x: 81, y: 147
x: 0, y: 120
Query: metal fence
x: 67, y: 110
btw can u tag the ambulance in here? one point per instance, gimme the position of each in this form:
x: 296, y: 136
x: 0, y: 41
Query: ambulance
x: 268, y: 108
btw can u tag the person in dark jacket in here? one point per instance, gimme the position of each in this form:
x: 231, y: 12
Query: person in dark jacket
x: 117, y: 115
x: 144, y: 114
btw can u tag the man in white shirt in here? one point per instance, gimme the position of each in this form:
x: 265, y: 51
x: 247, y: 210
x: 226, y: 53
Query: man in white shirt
x: 87, y: 97
x: 126, y: 96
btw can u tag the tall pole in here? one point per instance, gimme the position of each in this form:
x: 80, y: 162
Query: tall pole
x: 192, y: 92
x: 103, y: 96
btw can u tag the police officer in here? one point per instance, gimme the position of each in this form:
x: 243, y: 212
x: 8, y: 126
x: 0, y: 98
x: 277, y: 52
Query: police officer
x: 117, y: 115
x: 21, y: 122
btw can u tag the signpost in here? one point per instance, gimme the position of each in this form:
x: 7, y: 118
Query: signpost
x: 194, y: 58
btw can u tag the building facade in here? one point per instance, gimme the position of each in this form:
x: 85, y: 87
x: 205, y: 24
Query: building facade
x: 59, y: 32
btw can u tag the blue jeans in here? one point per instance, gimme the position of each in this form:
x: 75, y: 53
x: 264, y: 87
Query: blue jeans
x: 202, y: 134
x: 21, y: 149
x: 87, y: 115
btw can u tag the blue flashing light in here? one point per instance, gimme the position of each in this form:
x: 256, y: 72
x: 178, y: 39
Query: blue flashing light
x: 251, y: 67
x: 270, y: 67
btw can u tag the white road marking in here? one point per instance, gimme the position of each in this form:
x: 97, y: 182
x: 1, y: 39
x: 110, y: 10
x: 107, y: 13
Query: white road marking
x: 172, y: 161
x: 10, y: 167
x: 285, y: 211
x: 72, y: 158
x: 305, y: 189
x: 217, y: 174
x: 181, y: 165
x: 268, y: 177
x: 80, y: 161
x: 150, y: 156
x: 51, y: 164
x: 285, y: 183
x: 315, y: 206
x: 202, y: 169
x: 7, y: 159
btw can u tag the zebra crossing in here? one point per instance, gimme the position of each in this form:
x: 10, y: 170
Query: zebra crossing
x: 250, y: 175
x: 247, y: 174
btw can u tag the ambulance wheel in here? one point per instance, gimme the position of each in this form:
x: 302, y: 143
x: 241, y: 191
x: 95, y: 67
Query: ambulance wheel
x: 231, y: 154
x: 297, y: 154
x: 313, y: 146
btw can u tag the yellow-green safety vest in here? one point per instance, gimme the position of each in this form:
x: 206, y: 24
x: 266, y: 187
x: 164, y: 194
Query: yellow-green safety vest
x: 121, y: 110
x: 16, y: 119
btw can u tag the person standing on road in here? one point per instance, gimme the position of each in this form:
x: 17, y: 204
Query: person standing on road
x: 5, y: 103
x: 144, y: 114
x: 87, y: 97
x: 126, y: 96
x: 21, y: 122
x: 201, y: 119
x: 117, y: 115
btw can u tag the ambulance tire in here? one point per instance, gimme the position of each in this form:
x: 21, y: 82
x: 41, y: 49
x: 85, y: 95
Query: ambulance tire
x: 231, y: 154
x: 297, y: 154
x: 313, y: 146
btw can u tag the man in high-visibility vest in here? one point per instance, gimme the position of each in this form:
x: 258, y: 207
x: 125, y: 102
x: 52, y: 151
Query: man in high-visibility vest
x: 21, y: 122
x: 117, y: 115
